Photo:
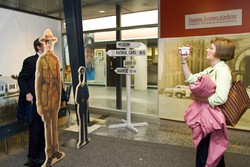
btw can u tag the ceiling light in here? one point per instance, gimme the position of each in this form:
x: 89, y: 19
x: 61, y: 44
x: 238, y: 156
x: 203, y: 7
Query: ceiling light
x: 102, y: 11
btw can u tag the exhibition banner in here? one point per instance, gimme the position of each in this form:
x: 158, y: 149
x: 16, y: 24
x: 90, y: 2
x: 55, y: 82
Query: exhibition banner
x: 214, y: 19
x: 18, y: 32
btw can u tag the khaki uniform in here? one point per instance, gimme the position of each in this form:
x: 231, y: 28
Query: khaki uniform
x: 48, y: 86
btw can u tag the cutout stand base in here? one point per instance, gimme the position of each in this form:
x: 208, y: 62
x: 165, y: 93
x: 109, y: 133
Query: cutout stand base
x: 72, y: 143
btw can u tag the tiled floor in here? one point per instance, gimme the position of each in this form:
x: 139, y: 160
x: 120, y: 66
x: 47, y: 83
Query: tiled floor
x: 143, y: 102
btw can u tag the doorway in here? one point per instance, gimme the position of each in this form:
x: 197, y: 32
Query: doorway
x: 111, y: 66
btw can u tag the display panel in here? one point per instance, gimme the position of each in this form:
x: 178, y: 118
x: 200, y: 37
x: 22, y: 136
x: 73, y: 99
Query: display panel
x: 18, y: 31
x: 174, y: 94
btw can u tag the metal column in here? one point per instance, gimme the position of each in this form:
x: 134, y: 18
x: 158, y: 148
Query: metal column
x: 73, y: 20
x: 118, y: 60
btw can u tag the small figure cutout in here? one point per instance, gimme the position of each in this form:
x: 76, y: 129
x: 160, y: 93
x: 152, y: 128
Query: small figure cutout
x: 81, y: 99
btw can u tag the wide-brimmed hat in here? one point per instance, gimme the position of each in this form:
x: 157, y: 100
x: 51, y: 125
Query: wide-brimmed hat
x: 48, y: 36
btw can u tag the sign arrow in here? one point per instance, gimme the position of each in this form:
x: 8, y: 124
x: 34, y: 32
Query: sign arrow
x: 128, y: 63
x: 125, y: 71
x: 128, y: 44
x: 117, y: 53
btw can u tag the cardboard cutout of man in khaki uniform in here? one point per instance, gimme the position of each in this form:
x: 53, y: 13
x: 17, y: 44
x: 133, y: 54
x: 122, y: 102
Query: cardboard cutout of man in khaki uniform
x: 48, y: 95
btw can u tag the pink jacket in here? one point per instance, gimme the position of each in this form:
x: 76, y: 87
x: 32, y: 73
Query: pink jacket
x: 204, y: 120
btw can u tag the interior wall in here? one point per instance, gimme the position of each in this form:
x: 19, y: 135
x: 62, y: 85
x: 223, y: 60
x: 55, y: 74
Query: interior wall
x: 172, y: 16
x: 174, y: 95
x: 18, y: 31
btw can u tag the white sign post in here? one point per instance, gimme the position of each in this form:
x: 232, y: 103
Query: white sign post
x: 128, y: 71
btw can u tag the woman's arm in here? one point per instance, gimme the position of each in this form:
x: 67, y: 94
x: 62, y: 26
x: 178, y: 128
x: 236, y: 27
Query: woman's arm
x: 185, y: 67
x: 187, y: 74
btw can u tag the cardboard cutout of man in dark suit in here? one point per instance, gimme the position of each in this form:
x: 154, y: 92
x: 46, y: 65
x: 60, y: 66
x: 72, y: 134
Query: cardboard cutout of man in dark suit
x: 81, y: 99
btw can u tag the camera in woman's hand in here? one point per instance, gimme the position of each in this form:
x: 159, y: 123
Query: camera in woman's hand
x: 185, y: 50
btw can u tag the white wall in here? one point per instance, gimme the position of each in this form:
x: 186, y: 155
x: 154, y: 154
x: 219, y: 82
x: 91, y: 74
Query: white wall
x: 17, y: 32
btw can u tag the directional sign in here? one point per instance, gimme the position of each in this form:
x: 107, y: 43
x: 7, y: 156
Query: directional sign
x: 128, y: 44
x: 128, y: 63
x: 116, y: 53
x: 125, y: 71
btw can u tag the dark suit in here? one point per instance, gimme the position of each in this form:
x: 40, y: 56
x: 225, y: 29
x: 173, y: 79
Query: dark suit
x: 26, y: 82
x: 82, y: 102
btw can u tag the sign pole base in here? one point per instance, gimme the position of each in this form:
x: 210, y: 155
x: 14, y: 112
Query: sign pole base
x: 130, y: 126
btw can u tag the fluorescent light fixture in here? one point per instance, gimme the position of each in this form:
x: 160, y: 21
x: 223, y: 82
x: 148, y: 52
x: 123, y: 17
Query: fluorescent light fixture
x: 140, y: 18
x: 141, y: 33
x: 99, y: 23
x: 132, y: 19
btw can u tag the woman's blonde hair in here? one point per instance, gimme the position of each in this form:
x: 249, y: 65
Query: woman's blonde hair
x: 224, y: 48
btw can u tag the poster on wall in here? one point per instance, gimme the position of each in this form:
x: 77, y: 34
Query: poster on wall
x: 95, y: 61
x: 174, y: 93
x: 18, y: 31
x: 89, y: 56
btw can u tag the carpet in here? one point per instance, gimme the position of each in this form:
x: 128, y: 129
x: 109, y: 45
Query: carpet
x: 104, y: 151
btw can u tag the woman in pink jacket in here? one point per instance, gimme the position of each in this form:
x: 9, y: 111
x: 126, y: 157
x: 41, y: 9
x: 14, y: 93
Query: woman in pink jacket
x: 219, y: 51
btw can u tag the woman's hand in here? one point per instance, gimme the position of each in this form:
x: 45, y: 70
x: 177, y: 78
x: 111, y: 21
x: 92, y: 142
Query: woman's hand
x: 185, y: 52
x: 184, y: 58
x: 184, y: 55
